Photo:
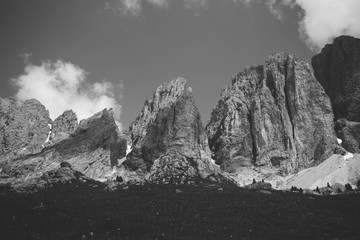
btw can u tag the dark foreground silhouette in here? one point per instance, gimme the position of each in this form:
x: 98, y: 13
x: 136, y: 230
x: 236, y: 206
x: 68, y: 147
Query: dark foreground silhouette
x: 206, y: 211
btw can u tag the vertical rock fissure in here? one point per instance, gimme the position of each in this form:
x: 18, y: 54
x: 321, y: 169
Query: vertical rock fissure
x: 287, y: 98
x: 252, y: 135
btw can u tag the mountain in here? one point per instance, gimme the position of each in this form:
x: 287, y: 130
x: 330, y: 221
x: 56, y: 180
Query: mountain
x: 274, y: 122
x: 275, y: 115
x: 32, y: 144
x: 168, y: 140
x: 24, y: 127
x: 337, y: 68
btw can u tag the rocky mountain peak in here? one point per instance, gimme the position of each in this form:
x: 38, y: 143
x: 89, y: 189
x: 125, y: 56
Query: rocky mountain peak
x: 93, y: 148
x: 165, y: 96
x: 337, y: 68
x: 168, y: 139
x: 276, y: 114
x: 66, y: 122
x: 168, y: 93
x: 62, y: 127
x: 24, y: 127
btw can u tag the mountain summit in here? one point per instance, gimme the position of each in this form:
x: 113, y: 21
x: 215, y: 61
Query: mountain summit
x: 273, y: 120
x: 272, y: 115
x: 168, y: 140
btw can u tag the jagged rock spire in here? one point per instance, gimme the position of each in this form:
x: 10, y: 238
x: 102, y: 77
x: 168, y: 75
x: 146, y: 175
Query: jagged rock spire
x: 168, y: 139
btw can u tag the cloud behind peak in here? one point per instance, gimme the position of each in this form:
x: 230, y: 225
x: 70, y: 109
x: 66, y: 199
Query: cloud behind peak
x: 62, y: 86
x: 320, y: 21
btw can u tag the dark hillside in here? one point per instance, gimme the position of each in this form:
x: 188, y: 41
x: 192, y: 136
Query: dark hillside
x: 89, y: 211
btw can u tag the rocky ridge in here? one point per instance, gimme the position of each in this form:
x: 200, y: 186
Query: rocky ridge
x: 273, y: 121
x: 169, y: 143
x: 274, y: 115
x: 62, y: 127
x: 92, y: 147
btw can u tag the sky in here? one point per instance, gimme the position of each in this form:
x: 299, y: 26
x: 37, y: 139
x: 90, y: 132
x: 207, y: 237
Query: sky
x: 87, y: 55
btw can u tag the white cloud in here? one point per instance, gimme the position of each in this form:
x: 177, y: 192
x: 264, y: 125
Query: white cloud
x: 321, y: 20
x: 62, y: 85
x: 131, y: 7
x: 134, y: 7
x: 195, y: 3
x: 159, y: 3
x: 324, y: 20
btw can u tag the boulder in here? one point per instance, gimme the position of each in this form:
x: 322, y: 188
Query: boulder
x: 65, y: 165
x: 338, y: 188
x: 259, y: 186
x: 24, y: 127
x: 168, y: 140
x: 337, y: 68
x: 275, y: 115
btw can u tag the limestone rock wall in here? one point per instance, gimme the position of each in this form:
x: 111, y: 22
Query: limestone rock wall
x: 93, y: 148
x: 24, y: 127
x: 337, y: 68
x: 276, y: 115
x: 168, y: 138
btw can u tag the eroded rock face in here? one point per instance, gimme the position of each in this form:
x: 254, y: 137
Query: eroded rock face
x: 62, y: 127
x: 337, y: 68
x: 168, y: 138
x: 274, y: 115
x: 349, y: 133
x: 92, y: 149
x: 65, y: 123
x: 24, y: 127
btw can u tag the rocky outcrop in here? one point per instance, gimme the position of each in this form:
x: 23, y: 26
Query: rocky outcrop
x: 349, y: 133
x: 59, y: 174
x: 62, y: 127
x: 65, y: 123
x: 273, y: 115
x: 93, y: 149
x: 337, y: 68
x: 168, y: 140
x: 259, y: 186
x: 62, y: 174
x: 24, y: 127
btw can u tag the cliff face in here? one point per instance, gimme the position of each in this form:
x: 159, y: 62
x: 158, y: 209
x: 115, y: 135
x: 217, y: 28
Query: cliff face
x: 349, y: 133
x: 276, y: 114
x: 168, y: 139
x: 337, y: 68
x: 93, y: 148
x: 24, y: 127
